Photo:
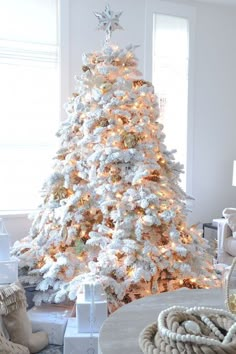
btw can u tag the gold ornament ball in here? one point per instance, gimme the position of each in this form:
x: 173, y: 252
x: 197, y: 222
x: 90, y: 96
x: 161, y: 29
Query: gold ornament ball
x: 60, y: 193
x: 130, y: 140
x: 139, y: 83
x: 115, y: 178
x: 103, y: 122
x: 116, y: 62
x: 85, y: 68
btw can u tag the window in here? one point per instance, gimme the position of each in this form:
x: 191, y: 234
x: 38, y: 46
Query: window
x: 29, y: 91
x: 170, y: 78
x: 173, y: 18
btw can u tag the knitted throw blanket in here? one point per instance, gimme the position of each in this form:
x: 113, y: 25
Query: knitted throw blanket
x: 12, y: 297
x: 199, y: 330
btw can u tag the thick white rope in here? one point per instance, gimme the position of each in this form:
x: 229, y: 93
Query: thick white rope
x: 166, y: 337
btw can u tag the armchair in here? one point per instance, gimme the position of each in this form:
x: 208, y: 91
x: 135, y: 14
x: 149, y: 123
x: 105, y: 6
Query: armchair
x: 226, y: 237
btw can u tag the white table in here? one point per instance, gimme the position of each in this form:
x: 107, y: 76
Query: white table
x: 120, y: 332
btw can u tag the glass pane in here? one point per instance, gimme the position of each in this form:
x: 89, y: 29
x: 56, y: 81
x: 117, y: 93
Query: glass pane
x: 29, y: 104
x: 23, y: 171
x: 29, y: 20
x: 170, y: 78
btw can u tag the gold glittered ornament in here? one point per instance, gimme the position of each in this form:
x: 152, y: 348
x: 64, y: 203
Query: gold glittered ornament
x: 84, y: 200
x: 109, y: 222
x: 116, y: 62
x: 139, y: 83
x: 123, y: 119
x: 154, y: 176
x: 115, y: 178
x: 85, y: 68
x: 129, y: 140
x: 103, y: 122
x: 60, y: 193
x: 161, y: 161
x: 138, y: 210
x: 97, y: 60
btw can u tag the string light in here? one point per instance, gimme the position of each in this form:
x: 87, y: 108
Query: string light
x: 131, y: 273
x: 119, y: 111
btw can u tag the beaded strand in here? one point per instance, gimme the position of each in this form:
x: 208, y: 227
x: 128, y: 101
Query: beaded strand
x: 165, y: 332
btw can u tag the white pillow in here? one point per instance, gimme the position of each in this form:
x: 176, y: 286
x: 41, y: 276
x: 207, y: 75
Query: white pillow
x: 230, y: 215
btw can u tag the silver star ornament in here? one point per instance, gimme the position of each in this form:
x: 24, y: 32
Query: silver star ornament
x: 108, y: 21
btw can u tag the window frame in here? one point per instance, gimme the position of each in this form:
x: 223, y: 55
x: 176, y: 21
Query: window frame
x: 188, y: 12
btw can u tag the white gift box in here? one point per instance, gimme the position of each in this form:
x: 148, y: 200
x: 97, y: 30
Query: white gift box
x: 4, y: 243
x: 90, y: 317
x: 51, y: 319
x: 8, y: 271
x: 79, y: 343
x: 4, y: 247
x: 94, y: 290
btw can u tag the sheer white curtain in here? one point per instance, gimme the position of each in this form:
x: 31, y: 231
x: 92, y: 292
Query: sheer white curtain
x: 170, y: 78
x: 29, y: 98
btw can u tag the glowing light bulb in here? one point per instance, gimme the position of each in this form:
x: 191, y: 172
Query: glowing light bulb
x: 131, y: 273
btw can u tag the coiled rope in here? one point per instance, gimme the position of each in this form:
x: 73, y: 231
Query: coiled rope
x: 199, y: 330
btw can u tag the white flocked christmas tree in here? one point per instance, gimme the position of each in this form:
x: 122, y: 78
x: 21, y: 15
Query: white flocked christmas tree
x: 112, y: 209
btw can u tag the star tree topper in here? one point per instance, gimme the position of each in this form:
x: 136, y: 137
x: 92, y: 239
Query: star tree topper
x: 108, y: 21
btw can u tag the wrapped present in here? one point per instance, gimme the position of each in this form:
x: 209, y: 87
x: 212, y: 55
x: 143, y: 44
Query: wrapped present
x: 90, y: 315
x: 4, y: 243
x: 8, y: 271
x: 79, y: 343
x: 51, y: 319
x: 94, y: 290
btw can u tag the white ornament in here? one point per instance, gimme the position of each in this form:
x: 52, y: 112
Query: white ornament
x: 148, y: 220
x: 144, y: 203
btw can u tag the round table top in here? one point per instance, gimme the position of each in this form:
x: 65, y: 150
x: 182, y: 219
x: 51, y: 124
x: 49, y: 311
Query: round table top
x: 120, y: 332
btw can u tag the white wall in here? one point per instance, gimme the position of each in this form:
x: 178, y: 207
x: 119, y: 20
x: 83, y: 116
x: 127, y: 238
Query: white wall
x: 213, y: 140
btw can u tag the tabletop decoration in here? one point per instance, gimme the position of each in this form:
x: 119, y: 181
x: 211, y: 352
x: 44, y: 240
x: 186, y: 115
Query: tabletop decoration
x: 181, y: 329
x: 229, y: 285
